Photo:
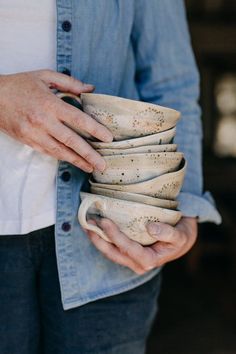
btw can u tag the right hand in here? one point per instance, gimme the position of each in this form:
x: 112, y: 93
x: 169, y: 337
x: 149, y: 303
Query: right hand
x: 32, y: 114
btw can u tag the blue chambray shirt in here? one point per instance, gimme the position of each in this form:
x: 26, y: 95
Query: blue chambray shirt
x: 140, y: 50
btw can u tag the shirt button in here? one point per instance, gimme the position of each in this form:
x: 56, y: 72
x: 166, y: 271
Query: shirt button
x: 66, y: 72
x: 66, y: 176
x: 66, y: 226
x: 66, y: 26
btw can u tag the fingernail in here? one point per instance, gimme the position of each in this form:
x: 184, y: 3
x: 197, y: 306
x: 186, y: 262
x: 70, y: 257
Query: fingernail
x: 101, y: 165
x: 89, y: 86
x: 154, y: 229
x: 88, y: 169
x: 108, y: 138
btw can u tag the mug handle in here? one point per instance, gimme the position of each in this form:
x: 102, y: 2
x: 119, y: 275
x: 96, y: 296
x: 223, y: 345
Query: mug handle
x: 84, y: 206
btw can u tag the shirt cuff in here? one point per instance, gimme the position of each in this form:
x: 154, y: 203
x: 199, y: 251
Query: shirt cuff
x: 203, y: 207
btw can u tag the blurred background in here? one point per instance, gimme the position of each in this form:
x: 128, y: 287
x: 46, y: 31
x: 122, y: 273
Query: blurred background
x: 198, y: 300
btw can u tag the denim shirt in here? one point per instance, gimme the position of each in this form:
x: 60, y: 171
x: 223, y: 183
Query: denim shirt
x: 140, y: 50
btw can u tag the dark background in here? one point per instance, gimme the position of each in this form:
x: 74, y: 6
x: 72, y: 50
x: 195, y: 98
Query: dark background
x: 198, y: 300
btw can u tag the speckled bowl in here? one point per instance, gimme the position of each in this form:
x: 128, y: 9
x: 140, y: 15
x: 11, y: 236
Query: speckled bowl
x: 166, y: 186
x: 128, y: 118
x: 134, y: 197
x: 155, y: 139
x: 139, y: 150
x: 130, y: 217
x: 133, y: 168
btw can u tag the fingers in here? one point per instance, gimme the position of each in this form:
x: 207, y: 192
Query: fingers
x: 162, y: 232
x: 63, y: 82
x: 69, y: 114
x: 169, y: 239
x: 44, y: 118
x: 166, y: 252
x: 172, y: 243
x: 69, y: 138
x: 111, y: 252
x: 184, y: 232
x: 144, y: 257
x: 82, y: 121
x: 48, y: 145
x: 188, y: 225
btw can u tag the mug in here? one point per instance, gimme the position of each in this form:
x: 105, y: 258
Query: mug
x: 130, y: 217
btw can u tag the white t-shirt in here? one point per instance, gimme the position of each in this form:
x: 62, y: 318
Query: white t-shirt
x: 27, y: 177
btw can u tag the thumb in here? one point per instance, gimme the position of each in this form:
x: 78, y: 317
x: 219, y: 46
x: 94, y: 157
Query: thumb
x: 162, y: 232
x: 64, y: 82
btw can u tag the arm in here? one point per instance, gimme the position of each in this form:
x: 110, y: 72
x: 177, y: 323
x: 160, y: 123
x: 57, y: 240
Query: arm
x: 166, y: 75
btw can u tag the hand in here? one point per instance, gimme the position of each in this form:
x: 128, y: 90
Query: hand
x: 32, y: 114
x: 172, y: 243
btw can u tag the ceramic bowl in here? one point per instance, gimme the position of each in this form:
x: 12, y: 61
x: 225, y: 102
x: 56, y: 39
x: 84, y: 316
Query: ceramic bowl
x: 155, y: 139
x: 139, y: 149
x: 134, y: 197
x: 134, y: 168
x: 128, y: 118
x: 130, y: 217
x: 166, y: 186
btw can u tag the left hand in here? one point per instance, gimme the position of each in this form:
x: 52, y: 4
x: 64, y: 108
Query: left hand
x: 172, y: 243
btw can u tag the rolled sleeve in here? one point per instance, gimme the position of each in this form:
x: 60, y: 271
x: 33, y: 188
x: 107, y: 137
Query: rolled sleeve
x: 202, y: 207
x: 166, y: 74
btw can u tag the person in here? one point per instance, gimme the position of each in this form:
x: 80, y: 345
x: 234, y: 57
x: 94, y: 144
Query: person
x: 64, y: 290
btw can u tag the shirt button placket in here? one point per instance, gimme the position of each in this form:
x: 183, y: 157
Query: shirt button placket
x: 64, y: 60
x: 64, y: 34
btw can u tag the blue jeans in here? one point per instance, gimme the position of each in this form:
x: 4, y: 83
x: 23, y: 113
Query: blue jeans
x: 32, y: 320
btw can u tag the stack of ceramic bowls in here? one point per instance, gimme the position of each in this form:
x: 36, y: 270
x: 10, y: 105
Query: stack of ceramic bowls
x: 144, y: 172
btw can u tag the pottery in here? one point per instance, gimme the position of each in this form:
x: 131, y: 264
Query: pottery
x: 133, y: 197
x: 130, y: 217
x: 139, y: 149
x: 134, y: 168
x: 166, y: 186
x: 154, y: 139
x: 128, y: 118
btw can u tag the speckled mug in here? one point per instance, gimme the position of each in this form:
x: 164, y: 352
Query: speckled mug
x: 130, y: 217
